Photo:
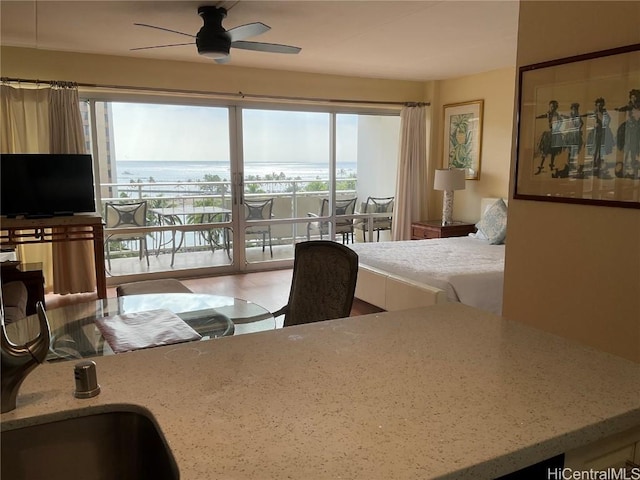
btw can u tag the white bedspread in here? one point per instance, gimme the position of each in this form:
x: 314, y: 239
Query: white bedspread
x: 468, y: 269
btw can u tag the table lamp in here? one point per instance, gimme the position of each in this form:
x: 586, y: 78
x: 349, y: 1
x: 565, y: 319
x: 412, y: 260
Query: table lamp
x: 448, y: 179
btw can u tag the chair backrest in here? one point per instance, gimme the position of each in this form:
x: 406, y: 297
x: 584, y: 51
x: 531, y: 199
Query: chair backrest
x: 379, y: 205
x: 259, y: 209
x: 344, y: 206
x: 122, y: 215
x: 166, y: 285
x: 323, y: 283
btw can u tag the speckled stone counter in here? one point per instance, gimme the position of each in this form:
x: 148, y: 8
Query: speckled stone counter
x: 438, y: 392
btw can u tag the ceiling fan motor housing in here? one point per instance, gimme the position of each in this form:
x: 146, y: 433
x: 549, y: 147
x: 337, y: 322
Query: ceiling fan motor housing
x: 212, y: 40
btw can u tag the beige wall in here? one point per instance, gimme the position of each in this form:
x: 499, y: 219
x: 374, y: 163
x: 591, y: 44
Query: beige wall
x: 574, y: 270
x: 497, y: 89
x: 159, y: 74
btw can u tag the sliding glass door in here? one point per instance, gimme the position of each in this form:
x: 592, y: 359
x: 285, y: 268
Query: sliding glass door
x: 230, y: 188
x: 286, y: 164
x: 176, y: 160
x: 316, y: 171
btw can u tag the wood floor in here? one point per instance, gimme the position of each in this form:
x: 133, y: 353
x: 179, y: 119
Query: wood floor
x: 268, y: 289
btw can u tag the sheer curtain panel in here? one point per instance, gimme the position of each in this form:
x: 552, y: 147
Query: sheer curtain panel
x: 24, y: 113
x: 46, y: 119
x: 411, y: 170
x: 73, y: 262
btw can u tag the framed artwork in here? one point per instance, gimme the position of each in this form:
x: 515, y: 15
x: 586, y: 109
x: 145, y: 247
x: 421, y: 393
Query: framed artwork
x: 579, y: 129
x: 463, y: 137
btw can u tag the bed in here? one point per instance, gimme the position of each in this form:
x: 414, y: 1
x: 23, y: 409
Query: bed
x: 416, y: 273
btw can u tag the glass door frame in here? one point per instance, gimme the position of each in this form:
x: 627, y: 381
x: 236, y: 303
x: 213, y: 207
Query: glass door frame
x: 237, y: 223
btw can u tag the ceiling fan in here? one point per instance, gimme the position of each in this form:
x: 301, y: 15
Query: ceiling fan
x: 214, y: 42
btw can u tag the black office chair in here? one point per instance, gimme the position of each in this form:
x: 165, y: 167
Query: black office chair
x: 163, y: 285
x: 126, y: 215
x: 260, y: 210
x: 323, y: 283
x: 344, y: 227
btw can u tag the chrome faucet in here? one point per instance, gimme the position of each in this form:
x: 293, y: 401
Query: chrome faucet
x: 19, y: 360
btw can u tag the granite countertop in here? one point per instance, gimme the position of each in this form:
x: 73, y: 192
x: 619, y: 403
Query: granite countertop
x: 438, y: 392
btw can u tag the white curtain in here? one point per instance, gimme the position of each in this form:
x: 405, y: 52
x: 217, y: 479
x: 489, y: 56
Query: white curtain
x: 25, y: 129
x: 46, y: 119
x: 411, y: 176
x: 73, y: 262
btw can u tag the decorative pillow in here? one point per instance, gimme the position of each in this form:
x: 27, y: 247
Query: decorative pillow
x: 493, y: 223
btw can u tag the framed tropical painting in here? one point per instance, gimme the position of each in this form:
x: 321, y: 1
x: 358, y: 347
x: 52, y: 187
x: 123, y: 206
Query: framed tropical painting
x: 463, y: 137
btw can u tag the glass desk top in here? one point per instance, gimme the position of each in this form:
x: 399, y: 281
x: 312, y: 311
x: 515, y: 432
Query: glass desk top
x: 75, y: 335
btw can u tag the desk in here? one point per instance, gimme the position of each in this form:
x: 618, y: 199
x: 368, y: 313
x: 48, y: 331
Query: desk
x: 75, y: 335
x: 202, y: 214
x: 72, y: 228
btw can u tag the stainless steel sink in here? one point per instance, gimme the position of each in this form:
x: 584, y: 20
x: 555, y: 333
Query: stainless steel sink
x: 114, y: 445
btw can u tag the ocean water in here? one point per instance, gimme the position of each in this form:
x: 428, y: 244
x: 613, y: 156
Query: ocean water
x: 180, y: 171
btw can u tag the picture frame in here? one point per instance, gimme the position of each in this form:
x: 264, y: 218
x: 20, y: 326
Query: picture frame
x: 578, y: 129
x: 463, y: 137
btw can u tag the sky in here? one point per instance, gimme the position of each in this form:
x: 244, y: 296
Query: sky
x: 157, y: 132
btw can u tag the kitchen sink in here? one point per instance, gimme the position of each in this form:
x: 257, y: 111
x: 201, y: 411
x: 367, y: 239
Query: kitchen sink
x: 112, y: 445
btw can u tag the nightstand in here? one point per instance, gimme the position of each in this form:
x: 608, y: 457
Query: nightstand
x: 435, y: 229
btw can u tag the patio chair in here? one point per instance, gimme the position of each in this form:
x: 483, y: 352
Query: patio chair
x: 214, y: 237
x: 126, y: 215
x: 345, y: 206
x: 260, y: 210
x: 323, y: 283
x: 376, y: 205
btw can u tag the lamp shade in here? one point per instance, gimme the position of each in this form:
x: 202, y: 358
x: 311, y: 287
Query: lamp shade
x: 449, y: 179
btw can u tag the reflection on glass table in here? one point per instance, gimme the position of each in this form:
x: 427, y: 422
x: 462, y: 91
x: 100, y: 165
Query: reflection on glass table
x: 75, y: 332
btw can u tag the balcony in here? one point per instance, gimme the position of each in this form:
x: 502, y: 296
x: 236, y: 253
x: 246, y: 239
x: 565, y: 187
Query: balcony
x: 205, y: 241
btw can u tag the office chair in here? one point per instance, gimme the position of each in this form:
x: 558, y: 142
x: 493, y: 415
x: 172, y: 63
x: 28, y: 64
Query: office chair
x: 323, y: 283
x: 165, y: 285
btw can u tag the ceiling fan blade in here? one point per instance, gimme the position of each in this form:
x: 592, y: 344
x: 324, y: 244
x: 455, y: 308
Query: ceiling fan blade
x: 226, y: 59
x: 165, y: 29
x: 265, y: 47
x: 162, y: 46
x: 248, y: 30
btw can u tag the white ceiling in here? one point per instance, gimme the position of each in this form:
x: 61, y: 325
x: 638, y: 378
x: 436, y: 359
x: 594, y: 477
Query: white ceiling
x: 406, y: 40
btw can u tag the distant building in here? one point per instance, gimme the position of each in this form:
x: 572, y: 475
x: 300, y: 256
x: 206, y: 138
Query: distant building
x: 104, y: 151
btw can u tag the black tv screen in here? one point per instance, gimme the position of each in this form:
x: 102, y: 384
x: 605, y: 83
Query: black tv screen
x: 46, y: 184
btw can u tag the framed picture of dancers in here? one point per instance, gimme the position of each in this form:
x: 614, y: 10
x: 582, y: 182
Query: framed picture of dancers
x: 579, y: 129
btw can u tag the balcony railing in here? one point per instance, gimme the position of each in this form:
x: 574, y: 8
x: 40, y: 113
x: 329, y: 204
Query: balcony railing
x: 293, y: 201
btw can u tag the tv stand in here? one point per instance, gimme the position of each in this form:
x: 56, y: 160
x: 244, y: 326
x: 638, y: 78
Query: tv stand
x: 85, y: 226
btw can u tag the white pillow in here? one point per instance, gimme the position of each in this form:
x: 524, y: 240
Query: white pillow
x: 493, y: 224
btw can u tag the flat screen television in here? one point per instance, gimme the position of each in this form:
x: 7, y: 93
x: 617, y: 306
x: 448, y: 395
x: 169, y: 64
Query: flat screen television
x: 43, y: 185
